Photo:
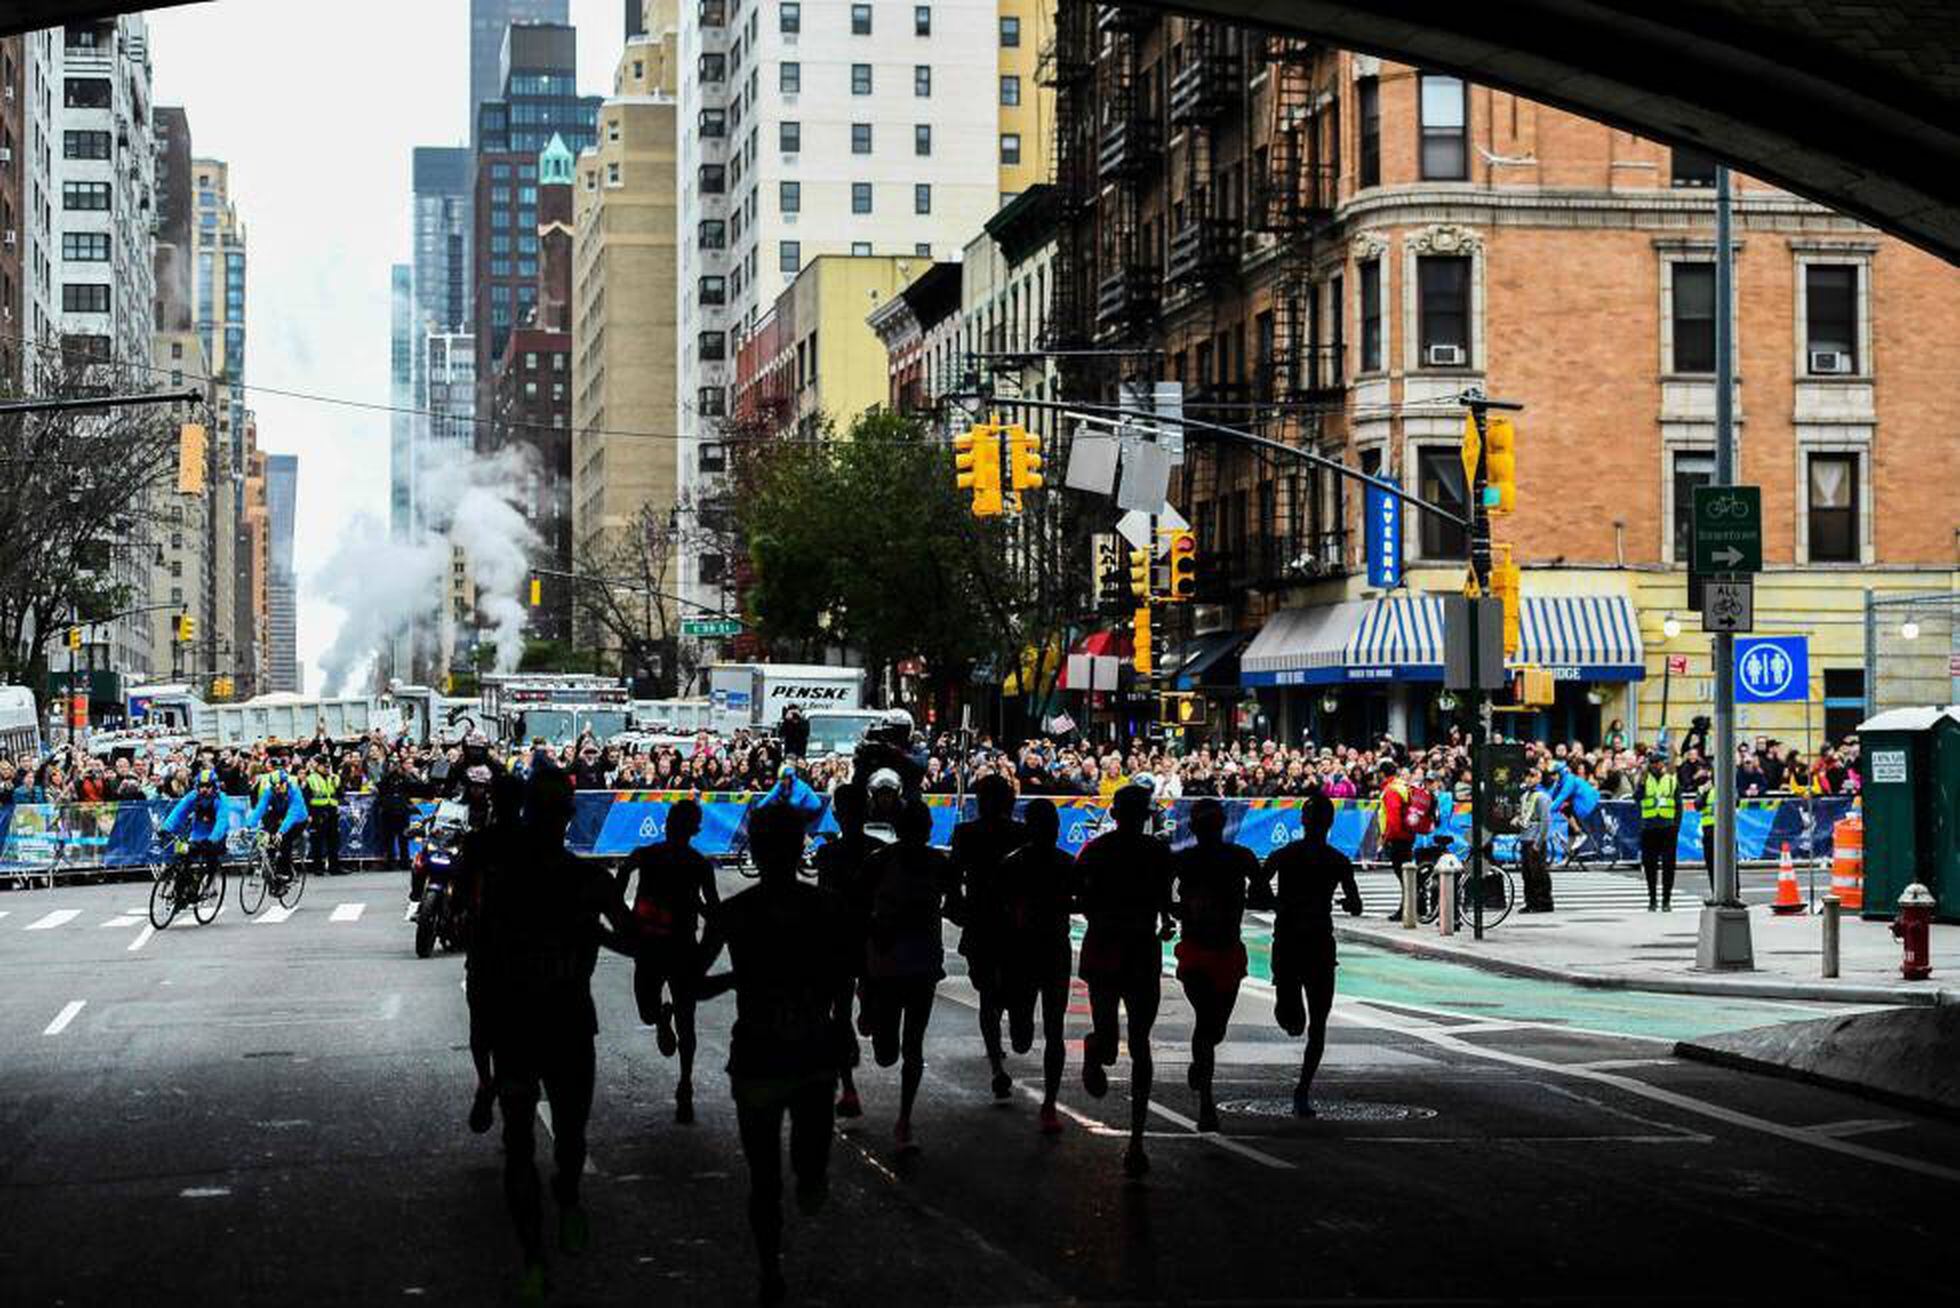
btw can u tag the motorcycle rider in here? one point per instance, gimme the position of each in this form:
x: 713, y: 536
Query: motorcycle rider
x: 471, y: 853
x: 279, y: 814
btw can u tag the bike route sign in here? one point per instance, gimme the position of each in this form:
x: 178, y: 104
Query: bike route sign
x: 1728, y: 536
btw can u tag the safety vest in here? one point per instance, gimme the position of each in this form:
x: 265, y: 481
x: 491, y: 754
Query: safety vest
x: 322, y: 791
x: 1705, y: 801
x: 1660, y: 797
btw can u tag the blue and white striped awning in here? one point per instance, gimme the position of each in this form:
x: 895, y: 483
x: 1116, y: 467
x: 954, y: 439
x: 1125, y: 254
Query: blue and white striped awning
x: 1581, y: 637
x: 1399, y: 636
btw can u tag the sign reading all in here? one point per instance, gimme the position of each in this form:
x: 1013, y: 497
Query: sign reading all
x: 1728, y: 535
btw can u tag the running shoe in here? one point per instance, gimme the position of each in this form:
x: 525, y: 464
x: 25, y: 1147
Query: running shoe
x: 903, y: 1134
x: 1303, y: 1103
x: 1135, y: 1165
x: 482, y: 1114
x: 684, y: 1105
x: 1094, y: 1079
x: 1003, y: 1085
x: 1208, y: 1119
x: 530, y: 1285
x: 1051, y: 1121
x: 574, y: 1229
x: 664, y: 1035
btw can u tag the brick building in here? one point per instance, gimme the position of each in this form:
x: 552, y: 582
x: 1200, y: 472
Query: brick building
x: 1329, y: 249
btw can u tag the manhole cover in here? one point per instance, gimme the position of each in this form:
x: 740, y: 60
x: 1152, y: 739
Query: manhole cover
x: 1332, y: 1110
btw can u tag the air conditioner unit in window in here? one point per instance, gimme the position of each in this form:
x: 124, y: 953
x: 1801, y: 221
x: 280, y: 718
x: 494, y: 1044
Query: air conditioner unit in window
x: 1445, y: 356
x: 6, y: 154
x: 1824, y: 363
x: 10, y: 239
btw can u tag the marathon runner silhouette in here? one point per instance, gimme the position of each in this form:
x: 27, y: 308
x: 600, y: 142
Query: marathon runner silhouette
x: 675, y: 888
x: 1211, y: 880
x: 978, y: 848
x: 1037, y: 892
x: 840, y: 870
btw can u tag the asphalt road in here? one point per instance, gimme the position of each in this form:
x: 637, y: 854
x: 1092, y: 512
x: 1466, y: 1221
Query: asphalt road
x: 271, y: 1112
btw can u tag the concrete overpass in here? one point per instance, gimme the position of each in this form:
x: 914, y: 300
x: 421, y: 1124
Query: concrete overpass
x: 1853, y: 103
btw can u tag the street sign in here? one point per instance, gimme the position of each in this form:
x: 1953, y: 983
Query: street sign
x: 1383, y: 514
x: 1728, y: 529
x: 1677, y: 665
x: 1772, y: 669
x: 1729, y: 606
x: 711, y: 627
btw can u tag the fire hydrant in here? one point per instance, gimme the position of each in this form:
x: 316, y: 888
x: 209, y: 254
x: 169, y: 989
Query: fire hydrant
x: 1914, y: 927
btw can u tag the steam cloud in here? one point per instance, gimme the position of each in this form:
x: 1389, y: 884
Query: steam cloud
x: 381, y: 586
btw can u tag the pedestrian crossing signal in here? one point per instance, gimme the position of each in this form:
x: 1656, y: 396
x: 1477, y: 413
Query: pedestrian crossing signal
x: 1181, y: 711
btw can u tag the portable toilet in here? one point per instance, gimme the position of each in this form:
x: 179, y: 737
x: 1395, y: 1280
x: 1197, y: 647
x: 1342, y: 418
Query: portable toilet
x: 1909, y: 760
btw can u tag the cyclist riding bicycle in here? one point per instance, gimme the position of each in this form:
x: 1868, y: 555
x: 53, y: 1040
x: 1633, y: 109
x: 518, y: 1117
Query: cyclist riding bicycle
x: 794, y: 793
x: 278, y: 815
x: 203, y: 817
x: 1574, y: 795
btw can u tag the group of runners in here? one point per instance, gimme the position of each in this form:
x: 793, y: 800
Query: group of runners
x: 816, y: 968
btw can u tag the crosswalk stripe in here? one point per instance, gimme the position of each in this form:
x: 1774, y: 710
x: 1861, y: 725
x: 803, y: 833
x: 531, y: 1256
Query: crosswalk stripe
x: 126, y: 920
x: 347, y: 913
x: 65, y: 1016
x: 274, y: 915
x: 3, y: 912
x: 60, y: 917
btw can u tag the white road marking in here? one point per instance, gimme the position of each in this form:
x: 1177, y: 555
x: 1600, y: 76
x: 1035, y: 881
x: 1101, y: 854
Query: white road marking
x: 65, y: 1016
x: 275, y: 915
x: 60, y: 917
x: 1859, y: 1126
x: 1222, y: 1141
x: 126, y: 920
x: 347, y: 913
x: 1613, y: 1064
x: 142, y: 937
x: 5, y: 912
x: 204, y: 1192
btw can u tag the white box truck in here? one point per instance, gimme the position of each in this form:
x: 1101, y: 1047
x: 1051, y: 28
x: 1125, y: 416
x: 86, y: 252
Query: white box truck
x: 754, y: 695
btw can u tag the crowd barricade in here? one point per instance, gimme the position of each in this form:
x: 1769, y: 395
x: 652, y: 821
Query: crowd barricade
x: 59, y: 839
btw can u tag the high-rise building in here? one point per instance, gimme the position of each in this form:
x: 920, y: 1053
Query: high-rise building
x: 489, y: 21
x: 175, y: 245
x: 183, y: 576
x: 13, y: 204
x: 39, y: 102
x: 281, y: 601
x: 402, y: 421
x: 451, y: 411
x: 623, y: 287
x: 442, y: 238
x: 1026, y: 104
x: 539, y: 102
x: 814, y: 129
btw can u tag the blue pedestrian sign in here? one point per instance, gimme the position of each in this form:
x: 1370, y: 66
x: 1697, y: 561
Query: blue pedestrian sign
x: 1382, y: 514
x: 1772, y: 669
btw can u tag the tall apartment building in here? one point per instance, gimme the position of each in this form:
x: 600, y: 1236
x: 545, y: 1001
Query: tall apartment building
x: 490, y: 20
x: 403, y: 421
x: 254, y: 571
x: 1329, y: 248
x: 182, y: 509
x: 218, y: 310
x: 282, y: 671
x: 40, y: 98
x: 1026, y: 102
x: 815, y: 128
x: 451, y: 409
x: 624, y: 269
x: 13, y: 204
x: 174, y: 245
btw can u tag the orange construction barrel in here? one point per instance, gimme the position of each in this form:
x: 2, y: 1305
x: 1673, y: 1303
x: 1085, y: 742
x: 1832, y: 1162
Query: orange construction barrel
x: 1848, y: 862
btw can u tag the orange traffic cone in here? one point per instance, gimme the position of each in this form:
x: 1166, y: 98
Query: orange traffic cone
x: 1787, y: 899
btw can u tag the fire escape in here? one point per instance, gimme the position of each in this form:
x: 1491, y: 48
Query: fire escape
x: 1204, y: 245
x: 1129, y: 146
x: 1068, y: 66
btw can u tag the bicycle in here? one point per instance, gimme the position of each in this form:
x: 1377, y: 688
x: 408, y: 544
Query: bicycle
x: 263, y: 875
x: 182, y: 884
x: 1500, y: 893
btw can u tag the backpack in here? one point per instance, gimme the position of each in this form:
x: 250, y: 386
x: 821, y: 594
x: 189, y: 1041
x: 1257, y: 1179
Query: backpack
x: 1419, y: 810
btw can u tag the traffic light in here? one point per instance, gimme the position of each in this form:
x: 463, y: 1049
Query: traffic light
x: 537, y: 592
x: 977, y: 457
x: 1473, y: 445
x: 1507, y: 584
x: 186, y: 629
x: 1181, y: 710
x: 1140, y: 639
x: 1141, y: 566
x: 1024, y: 459
x: 1536, y: 687
x: 221, y: 687
x: 1184, y: 566
x: 74, y: 638
x: 1501, y: 465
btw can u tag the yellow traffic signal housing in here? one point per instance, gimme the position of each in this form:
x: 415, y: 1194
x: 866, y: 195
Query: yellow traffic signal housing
x: 1184, y: 566
x: 976, y: 455
x: 1024, y: 459
x: 1141, y: 566
x: 186, y: 628
x: 1501, y: 465
x: 74, y: 638
x: 1181, y: 710
x: 1473, y: 445
x: 537, y: 592
x: 1141, y: 660
x: 1507, y: 584
x: 1536, y: 687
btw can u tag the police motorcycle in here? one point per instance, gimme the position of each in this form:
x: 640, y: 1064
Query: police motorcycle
x: 442, y: 915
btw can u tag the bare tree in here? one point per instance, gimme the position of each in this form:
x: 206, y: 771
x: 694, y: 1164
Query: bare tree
x: 624, y: 590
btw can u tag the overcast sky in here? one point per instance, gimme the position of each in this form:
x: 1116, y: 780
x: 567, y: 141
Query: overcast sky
x: 316, y: 108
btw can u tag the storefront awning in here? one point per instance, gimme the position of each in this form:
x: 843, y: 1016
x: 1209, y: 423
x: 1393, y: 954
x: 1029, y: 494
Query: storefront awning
x: 1206, y: 660
x: 1581, y: 637
x: 1299, y: 647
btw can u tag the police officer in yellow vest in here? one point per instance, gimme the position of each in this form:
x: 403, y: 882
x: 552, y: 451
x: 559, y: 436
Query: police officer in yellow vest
x: 323, y: 816
x: 1660, y: 829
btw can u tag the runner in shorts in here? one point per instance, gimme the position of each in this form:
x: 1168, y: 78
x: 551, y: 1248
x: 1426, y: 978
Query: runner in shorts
x: 1211, y: 880
x: 1306, y: 874
x: 1037, y: 887
x: 1125, y: 878
x: 676, y: 887
x: 905, y: 953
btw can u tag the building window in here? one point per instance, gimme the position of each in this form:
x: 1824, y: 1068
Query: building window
x: 921, y: 80
x: 860, y: 79
x: 789, y: 257
x: 612, y: 174
x: 922, y: 198
x: 714, y: 347
x: 860, y: 249
x: 713, y: 457
x: 714, y: 67
x: 1010, y: 32
x: 1834, y: 536
x: 714, y: 290
x: 860, y: 197
x: 789, y: 78
x: 1690, y: 470
x: 860, y: 20
x: 85, y: 195
x: 1443, y: 305
x: 1445, y: 128
x: 712, y: 569
x: 789, y: 137
x: 923, y: 249
x: 1691, y: 167
x: 789, y: 196
x: 1368, y: 91
x: 87, y: 93
x: 85, y: 145
x: 1439, y: 479
x: 85, y: 247
x: 81, y: 297
x: 922, y: 139
x: 1830, y: 319
x: 860, y: 138
x: 1693, y: 317
x: 1010, y: 147
x: 1010, y: 89
x: 789, y: 17
x: 922, y: 20
x: 714, y: 179
x: 1371, y: 316
x: 713, y: 122
x: 711, y: 401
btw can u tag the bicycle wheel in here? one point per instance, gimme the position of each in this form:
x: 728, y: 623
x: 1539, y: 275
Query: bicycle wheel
x: 251, y: 887
x: 1499, y: 892
x: 210, y: 896
x: 163, y: 900
x: 1427, y: 905
x: 293, y: 886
